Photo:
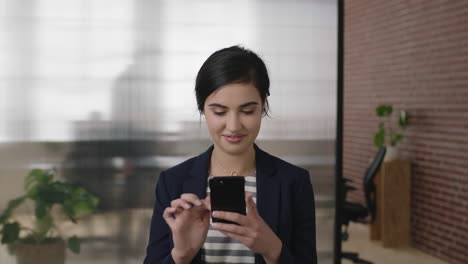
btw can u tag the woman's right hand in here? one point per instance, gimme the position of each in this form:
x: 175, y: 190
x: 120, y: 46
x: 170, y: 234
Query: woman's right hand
x: 189, y: 220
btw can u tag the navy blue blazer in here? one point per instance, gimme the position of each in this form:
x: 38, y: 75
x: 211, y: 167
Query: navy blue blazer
x: 285, y: 200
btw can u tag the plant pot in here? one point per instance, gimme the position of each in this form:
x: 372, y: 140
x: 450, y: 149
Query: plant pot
x: 48, y: 253
x: 391, y: 153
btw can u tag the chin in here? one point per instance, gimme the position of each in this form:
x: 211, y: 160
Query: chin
x: 235, y: 149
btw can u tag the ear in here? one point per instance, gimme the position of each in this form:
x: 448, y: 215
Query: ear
x: 264, y: 105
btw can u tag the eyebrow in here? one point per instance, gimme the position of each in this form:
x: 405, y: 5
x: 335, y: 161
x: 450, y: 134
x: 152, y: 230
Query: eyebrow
x: 241, y: 106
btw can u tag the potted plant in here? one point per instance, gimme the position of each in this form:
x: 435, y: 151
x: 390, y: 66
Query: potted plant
x: 389, y: 133
x: 41, y: 242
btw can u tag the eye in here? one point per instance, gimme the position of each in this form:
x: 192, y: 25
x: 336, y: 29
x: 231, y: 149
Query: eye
x: 248, y: 112
x: 219, y: 113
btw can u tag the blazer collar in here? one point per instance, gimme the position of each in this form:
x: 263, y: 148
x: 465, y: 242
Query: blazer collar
x: 197, y: 182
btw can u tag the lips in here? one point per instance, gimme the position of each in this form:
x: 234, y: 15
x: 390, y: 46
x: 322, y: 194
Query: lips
x: 234, y: 138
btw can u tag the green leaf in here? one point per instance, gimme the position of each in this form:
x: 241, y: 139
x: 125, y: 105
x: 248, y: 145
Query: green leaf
x: 82, y: 208
x: 34, y: 174
x: 80, y: 202
x: 74, y: 244
x: 383, y: 110
x: 68, y: 210
x: 379, y: 138
x: 94, y: 201
x: 12, y: 205
x: 51, y: 194
x: 4, y: 216
x: 380, y: 110
x: 396, y: 139
x: 83, y: 202
x: 389, y: 110
x: 10, y: 233
x: 35, y: 179
x: 32, y: 192
x: 79, y: 193
x: 41, y: 209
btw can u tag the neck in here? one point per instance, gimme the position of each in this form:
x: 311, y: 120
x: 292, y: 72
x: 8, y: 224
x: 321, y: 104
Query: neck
x: 223, y: 163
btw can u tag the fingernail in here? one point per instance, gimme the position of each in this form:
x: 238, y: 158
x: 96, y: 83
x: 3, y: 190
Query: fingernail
x: 198, y: 203
x: 187, y: 206
x: 215, y: 225
x: 215, y: 214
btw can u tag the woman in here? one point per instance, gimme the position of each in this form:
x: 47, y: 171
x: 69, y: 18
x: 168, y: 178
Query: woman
x: 231, y: 88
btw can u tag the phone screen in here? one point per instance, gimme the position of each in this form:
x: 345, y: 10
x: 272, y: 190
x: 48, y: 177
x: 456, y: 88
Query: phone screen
x: 227, y: 194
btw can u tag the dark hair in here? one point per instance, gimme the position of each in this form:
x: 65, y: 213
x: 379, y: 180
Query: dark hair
x: 232, y: 65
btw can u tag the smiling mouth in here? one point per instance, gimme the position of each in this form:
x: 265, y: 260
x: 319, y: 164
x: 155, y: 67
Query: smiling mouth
x: 233, y: 138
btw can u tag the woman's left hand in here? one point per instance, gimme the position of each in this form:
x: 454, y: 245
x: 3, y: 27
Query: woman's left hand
x: 252, y: 231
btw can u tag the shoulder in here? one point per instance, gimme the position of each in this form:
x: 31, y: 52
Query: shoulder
x: 180, y: 170
x: 290, y: 170
x: 285, y: 165
x: 194, y: 169
x: 195, y: 166
x: 293, y: 179
x: 284, y: 169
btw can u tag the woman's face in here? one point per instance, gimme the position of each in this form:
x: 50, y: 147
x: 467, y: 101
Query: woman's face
x: 233, y: 116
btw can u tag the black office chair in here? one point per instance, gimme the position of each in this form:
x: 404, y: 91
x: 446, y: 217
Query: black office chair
x: 357, y: 212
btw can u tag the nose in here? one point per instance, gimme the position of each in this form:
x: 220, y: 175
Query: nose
x: 233, y: 123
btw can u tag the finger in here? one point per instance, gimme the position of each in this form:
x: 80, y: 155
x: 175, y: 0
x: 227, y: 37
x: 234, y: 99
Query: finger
x: 230, y: 216
x: 200, y: 211
x: 207, y: 202
x: 247, y: 241
x: 231, y: 228
x: 251, y: 206
x: 180, y: 203
x: 191, y: 198
x: 168, y: 215
x: 173, y: 211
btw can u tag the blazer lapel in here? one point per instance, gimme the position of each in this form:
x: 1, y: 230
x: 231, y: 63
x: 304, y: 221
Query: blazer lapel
x: 268, y: 189
x: 197, y: 182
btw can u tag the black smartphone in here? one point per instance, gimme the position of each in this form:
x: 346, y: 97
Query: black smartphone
x: 227, y: 194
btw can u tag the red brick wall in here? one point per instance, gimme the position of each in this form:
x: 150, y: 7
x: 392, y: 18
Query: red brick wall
x: 414, y: 55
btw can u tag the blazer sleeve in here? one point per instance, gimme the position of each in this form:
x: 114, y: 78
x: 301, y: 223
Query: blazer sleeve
x: 160, y: 241
x: 303, y: 246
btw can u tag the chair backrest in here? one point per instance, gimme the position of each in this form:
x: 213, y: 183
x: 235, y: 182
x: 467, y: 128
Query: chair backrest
x: 369, y: 186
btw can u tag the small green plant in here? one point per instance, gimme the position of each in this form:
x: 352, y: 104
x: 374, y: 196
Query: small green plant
x: 45, y: 193
x: 388, y: 134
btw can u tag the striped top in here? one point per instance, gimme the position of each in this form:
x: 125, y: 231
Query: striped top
x: 219, y: 248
